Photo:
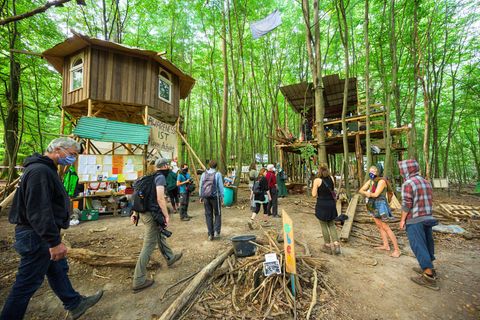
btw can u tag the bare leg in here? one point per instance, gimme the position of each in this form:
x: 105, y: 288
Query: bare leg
x: 396, y: 250
x: 383, y: 234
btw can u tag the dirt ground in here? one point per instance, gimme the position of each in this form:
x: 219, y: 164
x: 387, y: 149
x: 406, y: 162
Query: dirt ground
x: 368, y: 284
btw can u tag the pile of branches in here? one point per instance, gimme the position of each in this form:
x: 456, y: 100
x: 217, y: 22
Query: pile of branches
x: 239, y: 290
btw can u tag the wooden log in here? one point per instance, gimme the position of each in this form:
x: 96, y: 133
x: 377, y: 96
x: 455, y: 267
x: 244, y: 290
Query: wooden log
x: 347, y: 226
x: 101, y: 259
x: 7, y: 202
x: 175, y: 309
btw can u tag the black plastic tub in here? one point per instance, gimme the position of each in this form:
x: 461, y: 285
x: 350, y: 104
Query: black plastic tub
x: 242, y: 245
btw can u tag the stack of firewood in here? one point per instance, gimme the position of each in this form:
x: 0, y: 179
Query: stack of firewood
x: 239, y: 289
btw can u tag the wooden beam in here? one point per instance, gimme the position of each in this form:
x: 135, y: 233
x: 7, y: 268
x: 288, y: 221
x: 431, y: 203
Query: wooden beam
x: 30, y: 53
x: 193, y: 152
x: 347, y: 226
x: 354, y: 118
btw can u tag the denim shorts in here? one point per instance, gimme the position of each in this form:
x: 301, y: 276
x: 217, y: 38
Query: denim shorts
x: 381, y: 210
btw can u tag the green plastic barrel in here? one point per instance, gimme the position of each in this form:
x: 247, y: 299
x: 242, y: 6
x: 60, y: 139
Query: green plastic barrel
x: 228, y: 194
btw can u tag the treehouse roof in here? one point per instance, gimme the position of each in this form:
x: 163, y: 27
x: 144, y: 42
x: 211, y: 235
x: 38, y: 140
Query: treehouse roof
x: 301, y: 95
x: 55, y: 56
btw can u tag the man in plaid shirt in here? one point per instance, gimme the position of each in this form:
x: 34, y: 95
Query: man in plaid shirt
x: 417, y: 218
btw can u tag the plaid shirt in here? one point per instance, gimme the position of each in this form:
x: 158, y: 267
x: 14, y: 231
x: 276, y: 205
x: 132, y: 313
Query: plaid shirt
x: 416, y: 193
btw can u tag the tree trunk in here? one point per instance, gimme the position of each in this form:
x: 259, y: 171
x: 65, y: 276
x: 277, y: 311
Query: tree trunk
x: 367, y: 87
x: 314, y: 57
x: 342, y: 21
x: 224, y: 128
x: 412, y: 150
x: 11, y: 135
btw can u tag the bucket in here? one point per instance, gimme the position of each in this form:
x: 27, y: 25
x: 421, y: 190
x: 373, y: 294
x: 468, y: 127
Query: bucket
x: 242, y: 246
x: 228, y: 193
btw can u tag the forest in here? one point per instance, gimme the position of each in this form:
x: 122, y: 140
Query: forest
x: 420, y: 59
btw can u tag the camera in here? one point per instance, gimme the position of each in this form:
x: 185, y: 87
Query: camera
x: 165, y: 232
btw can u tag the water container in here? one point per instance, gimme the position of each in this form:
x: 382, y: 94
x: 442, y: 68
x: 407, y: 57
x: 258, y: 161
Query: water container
x: 228, y: 194
x: 242, y: 245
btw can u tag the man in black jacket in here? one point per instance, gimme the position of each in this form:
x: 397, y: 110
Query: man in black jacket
x: 40, y: 209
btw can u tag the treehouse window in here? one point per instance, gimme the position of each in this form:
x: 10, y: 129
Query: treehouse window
x: 164, y: 87
x: 76, y: 73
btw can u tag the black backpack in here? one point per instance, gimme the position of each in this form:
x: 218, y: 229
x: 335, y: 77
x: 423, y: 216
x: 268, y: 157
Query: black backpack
x: 145, y: 194
x: 257, y: 189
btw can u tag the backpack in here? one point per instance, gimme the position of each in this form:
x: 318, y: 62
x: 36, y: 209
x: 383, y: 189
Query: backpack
x: 145, y: 194
x: 171, y: 181
x: 257, y: 189
x: 208, y: 184
x: 70, y: 181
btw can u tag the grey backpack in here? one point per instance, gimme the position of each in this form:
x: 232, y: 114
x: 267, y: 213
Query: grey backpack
x: 208, y: 184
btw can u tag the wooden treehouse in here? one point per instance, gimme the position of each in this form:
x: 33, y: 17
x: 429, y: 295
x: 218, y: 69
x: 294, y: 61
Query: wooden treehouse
x: 117, y: 82
x: 301, y: 98
x: 123, y: 103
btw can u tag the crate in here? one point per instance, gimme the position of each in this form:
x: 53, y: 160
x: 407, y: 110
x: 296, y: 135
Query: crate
x: 89, y: 215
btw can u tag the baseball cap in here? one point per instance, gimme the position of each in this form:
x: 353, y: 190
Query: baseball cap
x: 161, y: 162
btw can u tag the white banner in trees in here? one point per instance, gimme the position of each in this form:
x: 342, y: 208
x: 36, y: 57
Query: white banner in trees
x: 163, y: 137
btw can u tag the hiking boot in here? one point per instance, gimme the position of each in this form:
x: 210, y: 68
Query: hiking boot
x: 175, y: 258
x: 185, y: 218
x: 85, y: 304
x: 145, y: 285
x: 426, y: 281
x: 326, y: 249
x: 420, y: 271
x: 216, y: 235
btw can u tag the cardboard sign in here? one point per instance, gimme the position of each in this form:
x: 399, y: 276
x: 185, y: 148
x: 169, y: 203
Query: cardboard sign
x: 163, y: 137
x: 289, y: 244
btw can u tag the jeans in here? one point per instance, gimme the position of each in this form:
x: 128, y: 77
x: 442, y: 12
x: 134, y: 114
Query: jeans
x: 151, y: 239
x: 420, y: 237
x: 273, y: 204
x: 213, y: 215
x: 184, y: 200
x: 35, y: 264
x: 329, y: 231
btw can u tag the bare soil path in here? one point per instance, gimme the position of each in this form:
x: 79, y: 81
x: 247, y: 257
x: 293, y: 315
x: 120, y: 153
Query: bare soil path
x: 369, y: 283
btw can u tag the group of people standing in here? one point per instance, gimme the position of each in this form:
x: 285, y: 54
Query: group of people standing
x: 266, y: 186
x: 416, y: 218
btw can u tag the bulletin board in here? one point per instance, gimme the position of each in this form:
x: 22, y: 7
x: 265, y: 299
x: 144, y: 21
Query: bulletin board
x: 119, y: 168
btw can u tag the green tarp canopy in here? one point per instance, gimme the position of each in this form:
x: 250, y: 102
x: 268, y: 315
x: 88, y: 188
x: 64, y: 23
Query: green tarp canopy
x: 100, y: 129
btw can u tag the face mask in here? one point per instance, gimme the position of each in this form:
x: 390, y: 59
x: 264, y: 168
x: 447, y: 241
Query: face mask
x: 185, y: 170
x: 372, y: 175
x: 66, y: 161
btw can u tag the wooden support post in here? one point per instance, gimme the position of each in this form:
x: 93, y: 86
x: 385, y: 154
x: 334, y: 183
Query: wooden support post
x: 145, y: 148
x: 62, y: 122
x: 90, y: 108
x: 359, y: 156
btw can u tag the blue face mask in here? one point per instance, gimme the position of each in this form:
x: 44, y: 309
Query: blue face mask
x: 372, y: 175
x: 66, y: 161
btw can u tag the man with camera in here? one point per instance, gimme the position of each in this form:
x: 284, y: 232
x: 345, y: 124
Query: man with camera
x: 156, y: 221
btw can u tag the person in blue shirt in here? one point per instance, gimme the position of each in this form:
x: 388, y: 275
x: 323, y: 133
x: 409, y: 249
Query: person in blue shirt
x: 183, y: 182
